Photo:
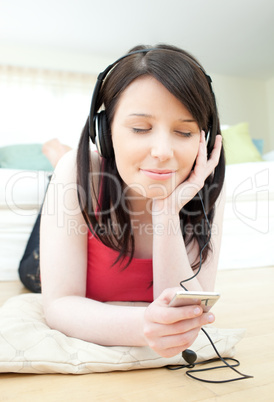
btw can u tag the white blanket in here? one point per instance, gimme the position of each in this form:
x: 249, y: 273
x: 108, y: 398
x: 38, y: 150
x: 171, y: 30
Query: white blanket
x: 248, y: 231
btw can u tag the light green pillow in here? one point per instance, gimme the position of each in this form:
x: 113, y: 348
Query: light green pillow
x: 24, y: 156
x: 238, y: 145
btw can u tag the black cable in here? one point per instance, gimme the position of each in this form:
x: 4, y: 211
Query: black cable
x: 231, y: 366
x: 202, y: 249
x: 224, y: 360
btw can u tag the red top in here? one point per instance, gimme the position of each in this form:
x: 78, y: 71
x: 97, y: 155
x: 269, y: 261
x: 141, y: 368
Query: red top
x: 113, y: 283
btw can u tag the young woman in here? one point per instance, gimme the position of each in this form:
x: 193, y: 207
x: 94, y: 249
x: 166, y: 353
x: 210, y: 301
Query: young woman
x: 119, y: 232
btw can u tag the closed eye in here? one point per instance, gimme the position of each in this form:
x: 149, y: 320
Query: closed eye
x: 140, y: 130
x: 184, y: 134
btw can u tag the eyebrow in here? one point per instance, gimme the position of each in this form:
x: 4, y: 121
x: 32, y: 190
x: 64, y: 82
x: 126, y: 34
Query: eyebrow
x: 187, y: 120
x: 141, y: 114
x: 151, y: 116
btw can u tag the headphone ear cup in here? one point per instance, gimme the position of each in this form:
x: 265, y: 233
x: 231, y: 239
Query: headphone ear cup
x: 103, y: 138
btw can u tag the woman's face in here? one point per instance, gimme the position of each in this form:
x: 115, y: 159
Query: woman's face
x: 155, y: 139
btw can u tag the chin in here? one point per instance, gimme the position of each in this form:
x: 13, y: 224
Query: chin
x: 159, y: 193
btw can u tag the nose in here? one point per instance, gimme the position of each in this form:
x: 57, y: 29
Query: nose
x: 162, y: 148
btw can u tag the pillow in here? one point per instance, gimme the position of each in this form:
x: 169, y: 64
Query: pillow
x: 238, y: 145
x: 24, y: 156
x: 259, y: 144
x: 28, y: 345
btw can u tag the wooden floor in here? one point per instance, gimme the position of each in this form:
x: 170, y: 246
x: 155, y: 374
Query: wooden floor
x: 247, y: 301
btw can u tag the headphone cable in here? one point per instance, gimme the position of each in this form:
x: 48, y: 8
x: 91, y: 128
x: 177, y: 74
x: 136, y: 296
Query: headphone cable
x: 224, y: 360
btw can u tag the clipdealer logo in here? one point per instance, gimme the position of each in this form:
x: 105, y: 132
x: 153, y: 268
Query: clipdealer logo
x: 256, y: 214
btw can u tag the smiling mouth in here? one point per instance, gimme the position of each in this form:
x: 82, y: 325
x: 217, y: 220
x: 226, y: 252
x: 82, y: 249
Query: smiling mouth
x: 158, y: 174
x: 160, y: 171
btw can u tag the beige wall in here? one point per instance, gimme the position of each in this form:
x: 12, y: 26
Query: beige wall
x: 239, y: 98
x: 270, y: 109
x: 245, y: 100
x: 34, y: 57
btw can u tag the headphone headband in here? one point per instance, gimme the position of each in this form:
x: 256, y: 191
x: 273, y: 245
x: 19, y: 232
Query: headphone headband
x: 95, y: 125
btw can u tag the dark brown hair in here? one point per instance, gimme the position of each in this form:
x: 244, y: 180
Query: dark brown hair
x: 185, y: 78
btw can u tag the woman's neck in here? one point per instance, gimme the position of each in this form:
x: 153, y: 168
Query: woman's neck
x: 139, y: 206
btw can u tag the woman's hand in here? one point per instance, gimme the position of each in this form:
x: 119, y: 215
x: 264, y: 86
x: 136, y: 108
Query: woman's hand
x: 171, y: 330
x: 193, y: 184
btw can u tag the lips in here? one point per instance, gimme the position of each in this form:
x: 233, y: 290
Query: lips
x: 159, y: 171
x: 158, y: 174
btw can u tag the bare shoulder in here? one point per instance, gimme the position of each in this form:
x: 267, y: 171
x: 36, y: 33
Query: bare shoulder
x: 63, y: 234
x: 65, y: 170
x: 67, y: 165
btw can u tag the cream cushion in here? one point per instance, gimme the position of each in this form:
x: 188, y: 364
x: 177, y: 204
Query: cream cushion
x: 238, y: 145
x: 28, y: 345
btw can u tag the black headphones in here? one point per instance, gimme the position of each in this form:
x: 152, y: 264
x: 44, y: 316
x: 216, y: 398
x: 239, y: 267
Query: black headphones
x: 99, y: 130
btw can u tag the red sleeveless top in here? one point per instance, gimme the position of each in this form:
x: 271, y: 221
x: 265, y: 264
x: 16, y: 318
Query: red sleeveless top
x: 113, y: 283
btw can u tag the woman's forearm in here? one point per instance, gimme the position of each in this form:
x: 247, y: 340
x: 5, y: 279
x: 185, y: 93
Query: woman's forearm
x: 97, y: 322
x: 170, y: 260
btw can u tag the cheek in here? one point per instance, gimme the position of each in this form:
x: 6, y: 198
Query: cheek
x: 128, y: 151
x: 124, y: 158
x: 189, y: 154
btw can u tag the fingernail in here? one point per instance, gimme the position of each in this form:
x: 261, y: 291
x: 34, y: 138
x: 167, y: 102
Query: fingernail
x: 197, y: 311
x: 210, y: 318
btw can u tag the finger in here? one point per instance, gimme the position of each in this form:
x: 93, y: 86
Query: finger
x: 179, y: 327
x: 160, y: 312
x: 175, y: 342
x: 188, y: 325
x: 204, y: 167
x: 165, y: 298
x: 166, y: 316
x: 198, y: 175
x: 215, y: 155
x: 167, y: 295
x: 216, y: 151
x: 172, y: 345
